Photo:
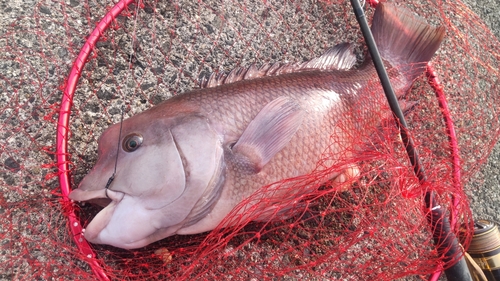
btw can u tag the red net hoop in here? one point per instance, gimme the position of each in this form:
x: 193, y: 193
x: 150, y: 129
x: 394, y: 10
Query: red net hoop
x: 63, y: 132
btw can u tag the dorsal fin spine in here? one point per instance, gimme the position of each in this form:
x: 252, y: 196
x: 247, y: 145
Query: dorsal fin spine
x: 340, y: 57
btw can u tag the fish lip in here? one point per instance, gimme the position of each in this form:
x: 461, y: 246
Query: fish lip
x: 93, y: 230
x: 98, y: 196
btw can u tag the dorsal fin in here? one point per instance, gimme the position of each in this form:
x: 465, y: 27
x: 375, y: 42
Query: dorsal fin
x: 340, y: 57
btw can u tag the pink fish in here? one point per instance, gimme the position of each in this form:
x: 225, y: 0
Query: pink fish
x: 184, y: 164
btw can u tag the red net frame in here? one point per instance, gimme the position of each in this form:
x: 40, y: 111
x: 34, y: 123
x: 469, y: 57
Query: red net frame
x: 63, y: 135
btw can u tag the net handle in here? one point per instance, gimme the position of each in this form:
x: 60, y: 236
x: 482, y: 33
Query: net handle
x: 62, y: 137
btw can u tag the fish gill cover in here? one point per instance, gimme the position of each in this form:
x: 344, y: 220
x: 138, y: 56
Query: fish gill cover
x: 371, y: 227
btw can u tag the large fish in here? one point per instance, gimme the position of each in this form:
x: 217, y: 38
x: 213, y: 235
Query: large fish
x: 184, y: 164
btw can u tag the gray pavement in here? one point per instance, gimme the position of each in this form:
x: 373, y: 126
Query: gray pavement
x: 50, y: 39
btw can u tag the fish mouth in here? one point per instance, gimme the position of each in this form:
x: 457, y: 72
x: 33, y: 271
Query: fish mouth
x: 102, y: 202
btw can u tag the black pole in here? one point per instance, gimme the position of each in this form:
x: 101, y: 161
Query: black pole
x: 444, y: 239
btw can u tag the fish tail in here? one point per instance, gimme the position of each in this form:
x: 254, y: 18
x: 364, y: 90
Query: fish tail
x: 405, y: 40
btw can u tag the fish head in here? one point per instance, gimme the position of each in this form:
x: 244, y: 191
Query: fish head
x: 166, y: 166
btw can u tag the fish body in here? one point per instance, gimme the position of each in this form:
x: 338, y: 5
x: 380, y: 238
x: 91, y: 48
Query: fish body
x: 184, y: 164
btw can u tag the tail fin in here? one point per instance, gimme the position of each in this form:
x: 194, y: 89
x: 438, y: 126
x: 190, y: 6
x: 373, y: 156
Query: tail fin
x: 405, y: 40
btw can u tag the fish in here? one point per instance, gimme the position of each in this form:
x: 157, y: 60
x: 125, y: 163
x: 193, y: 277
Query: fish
x: 183, y: 165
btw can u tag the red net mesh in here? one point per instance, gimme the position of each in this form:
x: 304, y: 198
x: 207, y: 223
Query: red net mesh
x: 372, y: 227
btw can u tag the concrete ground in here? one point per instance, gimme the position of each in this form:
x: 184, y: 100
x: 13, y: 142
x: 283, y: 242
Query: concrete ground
x: 485, y: 198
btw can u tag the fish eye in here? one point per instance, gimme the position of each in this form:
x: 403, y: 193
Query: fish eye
x: 132, y: 142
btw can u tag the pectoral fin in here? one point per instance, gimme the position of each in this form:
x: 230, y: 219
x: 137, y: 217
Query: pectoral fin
x: 268, y: 133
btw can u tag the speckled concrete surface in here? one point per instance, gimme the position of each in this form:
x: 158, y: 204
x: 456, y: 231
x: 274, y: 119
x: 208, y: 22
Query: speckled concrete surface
x: 485, y: 198
x: 485, y: 202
